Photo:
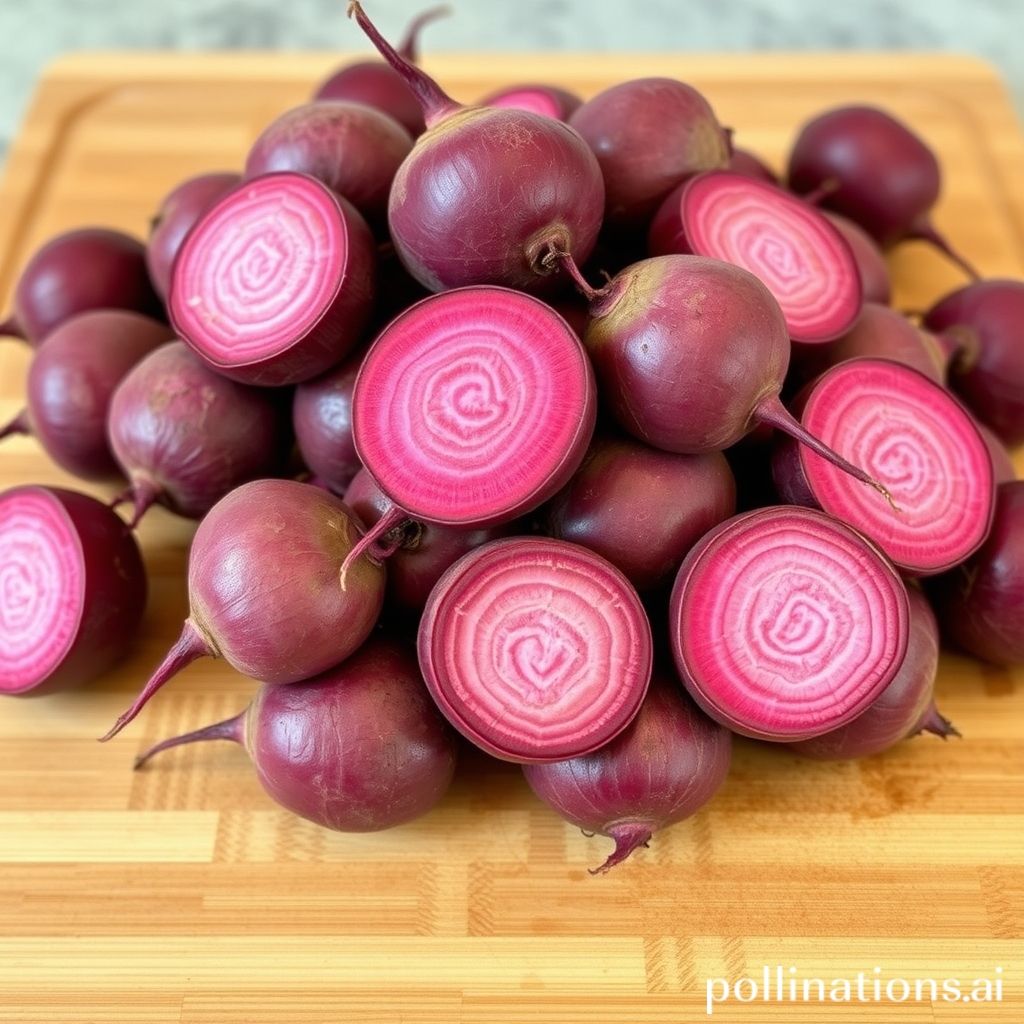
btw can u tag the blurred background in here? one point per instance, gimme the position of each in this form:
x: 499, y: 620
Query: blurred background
x: 33, y: 32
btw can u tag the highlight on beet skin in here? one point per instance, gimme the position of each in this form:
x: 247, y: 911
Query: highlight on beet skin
x: 536, y: 649
x: 786, y: 624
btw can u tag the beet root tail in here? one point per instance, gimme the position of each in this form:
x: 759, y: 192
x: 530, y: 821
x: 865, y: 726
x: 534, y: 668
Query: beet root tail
x: 230, y: 729
x: 927, y: 232
x: 628, y: 838
x: 408, y: 48
x: 10, y: 328
x: 936, y: 724
x: 368, y: 543
x: 19, y: 425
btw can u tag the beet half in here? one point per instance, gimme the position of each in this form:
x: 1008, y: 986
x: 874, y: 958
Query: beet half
x: 535, y: 649
x: 356, y: 749
x: 74, y: 589
x: 275, y: 282
x: 786, y: 624
x: 265, y: 593
x: 666, y: 765
x: 71, y: 381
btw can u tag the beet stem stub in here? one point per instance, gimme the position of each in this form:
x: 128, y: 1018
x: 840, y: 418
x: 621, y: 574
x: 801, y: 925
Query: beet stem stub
x: 189, y: 646
x: 436, y: 103
x: 367, y: 544
x: 568, y: 264
x: 927, y: 232
x: 143, y: 494
x: 937, y: 724
x: 629, y: 837
x: 230, y: 729
x: 408, y: 48
x: 19, y: 425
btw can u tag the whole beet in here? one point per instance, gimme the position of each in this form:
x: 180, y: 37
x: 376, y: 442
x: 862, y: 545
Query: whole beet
x: 178, y: 211
x: 357, y: 749
x: 648, y: 134
x: 984, y: 325
x: 980, y: 604
x: 742, y: 161
x: 353, y: 149
x: 874, y: 271
x: 71, y: 381
x: 184, y: 436
x: 664, y: 767
x: 641, y: 508
x: 79, y: 270
x: 1002, y: 465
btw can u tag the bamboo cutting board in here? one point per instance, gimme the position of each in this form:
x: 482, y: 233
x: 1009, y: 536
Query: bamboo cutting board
x: 181, y: 894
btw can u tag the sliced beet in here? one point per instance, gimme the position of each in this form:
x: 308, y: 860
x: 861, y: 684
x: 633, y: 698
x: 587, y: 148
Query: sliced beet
x: 71, y: 381
x: 980, y: 604
x: 80, y: 270
x: 180, y: 209
x: 641, y: 508
x: 546, y: 100
x: 904, y: 708
x: 535, y: 649
x: 984, y: 328
x: 275, y: 282
x: 353, y: 149
x: 742, y: 161
x: 648, y: 134
x: 73, y: 589
x: 785, y: 623
x: 184, y: 436
x: 805, y: 262
x: 917, y: 440
x: 874, y: 271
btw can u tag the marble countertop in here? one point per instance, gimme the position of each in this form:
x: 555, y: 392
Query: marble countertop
x: 36, y: 32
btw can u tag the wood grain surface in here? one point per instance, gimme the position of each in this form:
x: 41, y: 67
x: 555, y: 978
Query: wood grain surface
x: 182, y: 894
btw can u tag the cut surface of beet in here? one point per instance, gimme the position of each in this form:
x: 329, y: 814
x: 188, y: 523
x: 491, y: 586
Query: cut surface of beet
x: 536, y: 649
x: 920, y: 443
x: 474, y: 406
x: 786, y: 624
x: 274, y: 282
x: 803, y: 259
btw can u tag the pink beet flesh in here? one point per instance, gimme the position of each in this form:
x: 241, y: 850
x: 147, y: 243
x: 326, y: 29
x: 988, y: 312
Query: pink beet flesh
x: 73, y: 592
x: 918, y: 441
x: 786, y: 624
x: 546, y: 100
x: 535, y: 649
x: 474, y: 406
x: 805, y: 262
x: 662, y: 768
x: 275, y: 282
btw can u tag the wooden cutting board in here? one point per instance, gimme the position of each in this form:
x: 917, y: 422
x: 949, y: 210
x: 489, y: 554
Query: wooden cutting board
x: 181, y: 893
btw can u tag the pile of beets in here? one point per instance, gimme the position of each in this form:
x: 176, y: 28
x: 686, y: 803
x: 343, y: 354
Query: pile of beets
x: 619, y: 428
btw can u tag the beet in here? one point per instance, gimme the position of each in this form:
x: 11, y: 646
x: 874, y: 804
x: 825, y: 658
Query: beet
x: 353, y: 149
x: 71, y: 380
x: 984, y: 323
x: 874, y: 271
x: 376, y: 84
x: 546, y: 100
x: 265, y: 588
x: 666, y: 765
x: 275, y: 282
x: 421, y: 552
x: 77, y: 271
x: 648, y: 135
x: 184, y: 436
x: 180, y: 209
x: 357, y: 749
x: 535, y: 649
x: 803, y: 259
x: 878, y: 173
x: 980, y: 603
x: 904, y: 708
x: 74, y: 589
x: 917, y: 440
x: 1003, y: 469
x: 641, y: 508
x: 882, y: 333
x: 742, y: 161
x: 488, y: 195
x: 786, y: 623
x: 322, y: 420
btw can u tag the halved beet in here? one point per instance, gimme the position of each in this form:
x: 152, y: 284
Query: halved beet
x: 472, y: 408
x: 917, y: 440
x: 785, y: 623
x: 353, y: 149
x: 803, y: 259
x: 178, y: 211
x: 983, y: 324
x: 71, y: 382
x: 536, y: 649
x: 72, y: 589
x: 546, y: 100
x: 874, y: 271
x: 275, y: 282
